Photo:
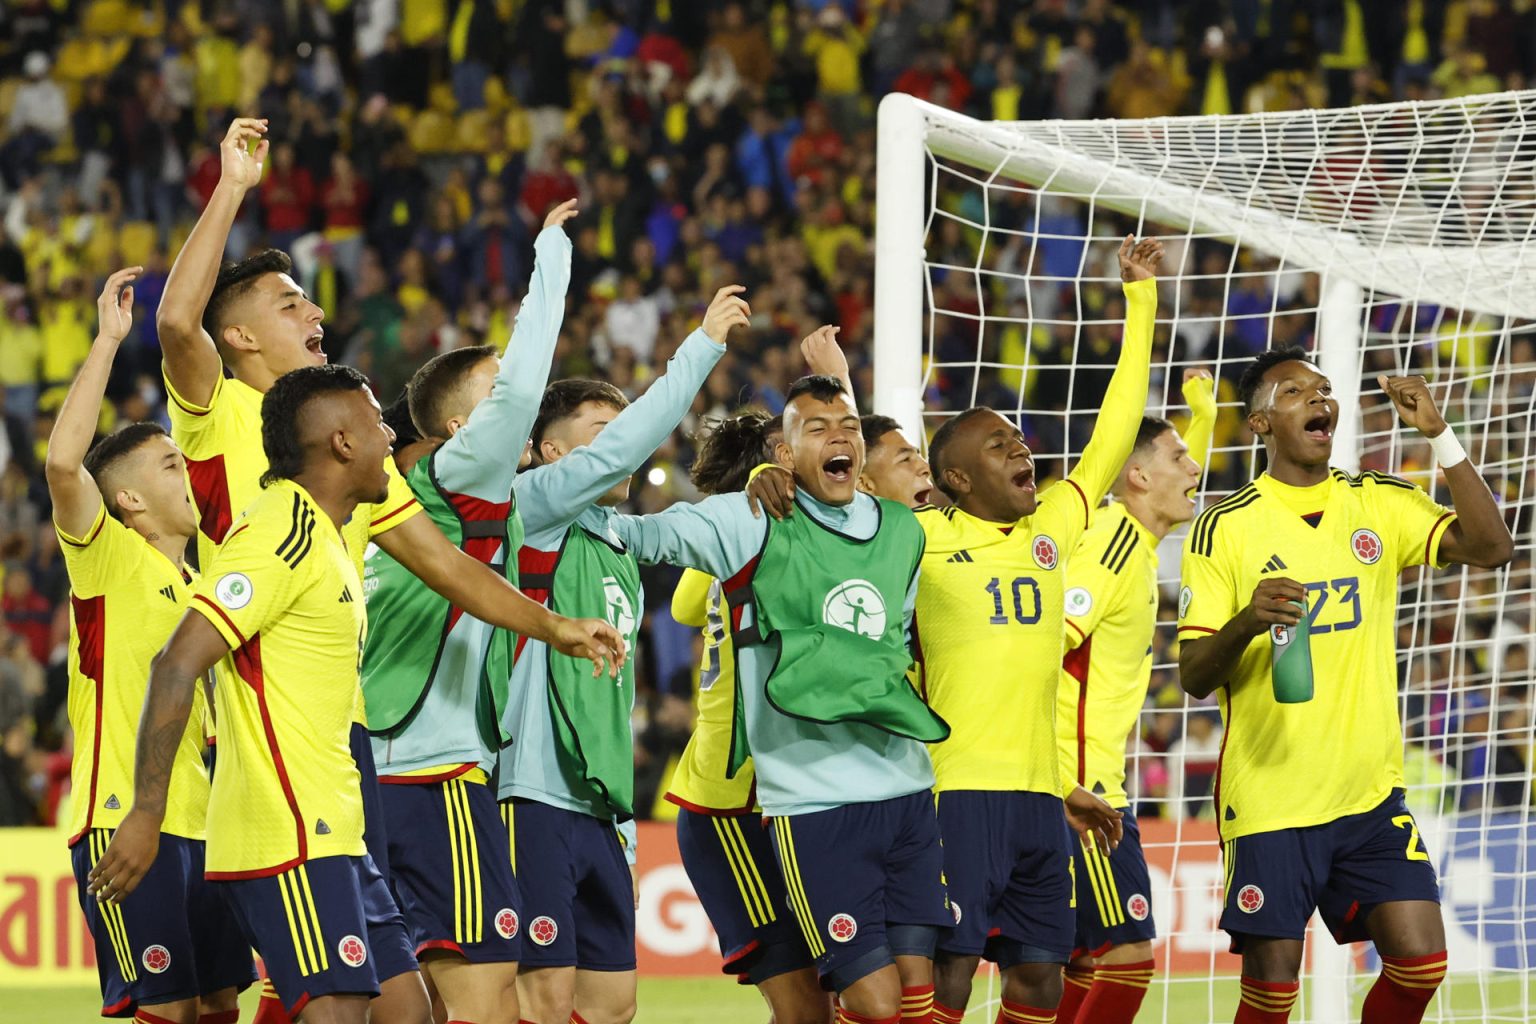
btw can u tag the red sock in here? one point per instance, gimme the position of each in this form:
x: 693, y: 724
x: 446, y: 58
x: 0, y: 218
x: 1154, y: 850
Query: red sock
x: 1018, y: 1013
x: 917, y: 1005
x: 1404, y: 989
x: 1076, y: 981
x: 145, y: 1017
x: 1266, y: 1002
x: 847, y: 1016
x: 270, y: 1009
x: 1118, y: 990
x: 223, y: 1017
x: 945, y: 1015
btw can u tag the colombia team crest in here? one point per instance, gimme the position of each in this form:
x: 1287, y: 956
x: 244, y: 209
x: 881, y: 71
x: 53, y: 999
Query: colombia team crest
x: 1366, y: 545
x: 352, y: 951
x: 506, y: 923
x: 156, y: 959
x: 1250, y: 898
x: 842, y: 928
x: 543, y: 930
x: 1045, y: 552
x: 1138, y: 907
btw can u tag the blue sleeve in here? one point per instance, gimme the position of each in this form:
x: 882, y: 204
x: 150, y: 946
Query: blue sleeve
x: 481, y: 458
x: 551, y: 497
x: 719, y: 535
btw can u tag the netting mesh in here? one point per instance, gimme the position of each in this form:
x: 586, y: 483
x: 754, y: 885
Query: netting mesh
x: 1387, y: 240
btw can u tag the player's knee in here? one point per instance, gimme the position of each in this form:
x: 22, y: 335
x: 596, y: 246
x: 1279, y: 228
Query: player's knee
x: 952, y: 978
x: 183, y: 1011
x: 1033, y: 984
x: 222, y: 1001
x: 1272, y: 960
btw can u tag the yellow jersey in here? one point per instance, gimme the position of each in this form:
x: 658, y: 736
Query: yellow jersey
x: 988, y: 624
x: 700, y: 782
x: 285, y: 593
x: 1111, y: 612
x: 1346, y: 540
x: 125, y: 599
x: 221, y: 442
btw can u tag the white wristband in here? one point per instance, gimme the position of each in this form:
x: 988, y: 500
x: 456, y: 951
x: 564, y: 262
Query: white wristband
x: 1448, y: 451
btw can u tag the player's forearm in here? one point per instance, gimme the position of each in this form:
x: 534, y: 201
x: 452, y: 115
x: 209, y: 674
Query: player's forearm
x: 1205, y: 665
x: 1114, y: 434
x: 192, y: 277
x: 1480, y: 536
x: 472, y: 586
x: 167, y: 705
x: 1202, y: 428
x: 80, y: 412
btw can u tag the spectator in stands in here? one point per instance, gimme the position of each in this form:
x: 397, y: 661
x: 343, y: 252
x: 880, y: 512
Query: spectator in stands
x: 39, y: 117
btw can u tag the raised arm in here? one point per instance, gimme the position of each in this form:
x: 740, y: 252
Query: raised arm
x: 1200, y: 396
x: 192, y: 364
x: 1478, y: 536
x: 718, y: 535
x: 480, y: 459
x: 1114, y: 434
x: 193, y: 649
x: 421, y: 547
x: 554, y: 495
x: 823, y: 355
x: 76, y: 500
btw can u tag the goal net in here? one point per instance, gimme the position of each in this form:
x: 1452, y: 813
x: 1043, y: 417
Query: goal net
x: 1385, y: 239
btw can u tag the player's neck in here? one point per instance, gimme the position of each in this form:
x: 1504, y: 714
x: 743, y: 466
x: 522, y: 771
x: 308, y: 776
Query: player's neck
x: 1297, y: 474
x: 331, y: 492
x: 253, y: 373
x: 169, y: 543
x: 1143, y: 512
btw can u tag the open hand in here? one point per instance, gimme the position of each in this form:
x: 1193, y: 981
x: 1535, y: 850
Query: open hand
x: 114, y: 306
x: 1414, y: 404
x: 594, y: 640
x: 823, y: 354
x: 128, y: 858
x: 774, y: 490
x: 1138, y: 261
x: 1091, y: 815
x: 1199, y: 390
x: 237, y: 164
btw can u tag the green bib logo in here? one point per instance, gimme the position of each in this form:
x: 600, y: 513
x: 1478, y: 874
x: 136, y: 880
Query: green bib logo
x: 617, y: 609
x: 857, y: 607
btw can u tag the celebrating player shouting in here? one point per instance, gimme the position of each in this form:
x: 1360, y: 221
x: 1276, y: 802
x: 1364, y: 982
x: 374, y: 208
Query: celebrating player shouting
x: 1309, y: 791
x: 170, y: 951
x: 1111, y: 612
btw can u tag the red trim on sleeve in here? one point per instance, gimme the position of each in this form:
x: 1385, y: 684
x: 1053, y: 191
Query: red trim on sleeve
x: 1087, y: 511
x: 227, y: 620
x: 1198, y: 629
x: 1430, y: 540
x: 1082, y: 637
x: 374, y: 523
x: 101, y: 524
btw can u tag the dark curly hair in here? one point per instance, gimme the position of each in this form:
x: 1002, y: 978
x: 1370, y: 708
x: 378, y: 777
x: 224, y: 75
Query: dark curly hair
x: 282, y: 406
x: 729, y: 450
x: 1253, y: 373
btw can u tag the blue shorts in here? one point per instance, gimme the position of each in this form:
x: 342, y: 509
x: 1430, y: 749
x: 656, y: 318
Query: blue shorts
x: 1114, y: 893
x: 453, y: 869
x: 578, y: 896
x: 172, y: 938
x: 866, y: 883
x: 1344, y: 868
x: 374, y: 833
x: 1008, y: 860
x: 326, y: 927
x: 729, y: 860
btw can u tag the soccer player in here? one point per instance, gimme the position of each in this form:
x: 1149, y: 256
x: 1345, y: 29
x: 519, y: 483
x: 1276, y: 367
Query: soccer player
x: 842, y: 770
x: 724, y: 847
x: 568, y: 773
x: 169, y: 952
x: 894, y: 469
x: 1309, y: 792
x: 991, y: 583
x: 435, y: 680
x: 280, y: 611
x: 1111, y: 612
x: 253, y: 318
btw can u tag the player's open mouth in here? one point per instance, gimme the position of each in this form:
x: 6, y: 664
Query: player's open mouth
x: 921, y: 495
x: 1319, y: 427
x: 839, y: 468
x: 1024, y: 479
x: 314, y: 341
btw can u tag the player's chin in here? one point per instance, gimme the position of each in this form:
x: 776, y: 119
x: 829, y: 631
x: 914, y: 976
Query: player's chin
x: 836, y: 489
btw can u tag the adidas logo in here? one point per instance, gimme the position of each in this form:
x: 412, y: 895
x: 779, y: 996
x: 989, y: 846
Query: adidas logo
x: 112, y: 803
x: 346, y: 596
x: 1273, y: 565
x: 321, y: 828
x: 960, y: 556
x: 168, y: 592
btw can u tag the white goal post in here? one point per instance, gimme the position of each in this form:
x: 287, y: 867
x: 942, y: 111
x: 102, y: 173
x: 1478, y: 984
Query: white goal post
x: 1391, y: 238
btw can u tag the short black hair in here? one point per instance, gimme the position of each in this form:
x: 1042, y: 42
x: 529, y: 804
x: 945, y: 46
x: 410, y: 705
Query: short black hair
x: 285, y: 402
x: 563, y: 397
x: 821, y: 386
x: 729, y: 451
x: 938, y: 448
x: 433, y: 392
x: 113, y: 448
x: 235, y: 280
x: 874, y: 427
x: 1152, y: 427
x: 1253, y: 373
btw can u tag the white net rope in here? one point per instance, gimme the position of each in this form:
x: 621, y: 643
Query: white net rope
x: 1388, y: 239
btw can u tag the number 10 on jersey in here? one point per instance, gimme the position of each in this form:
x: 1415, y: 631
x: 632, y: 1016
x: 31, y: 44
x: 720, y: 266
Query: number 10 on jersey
x: 1025, y: 595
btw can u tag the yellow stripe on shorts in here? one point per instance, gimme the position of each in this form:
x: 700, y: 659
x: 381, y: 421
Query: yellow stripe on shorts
x: 770, y: 915
x: 797, y: 897
x: 733, y: 857
x: 112, y: 914
x: 510, y: 819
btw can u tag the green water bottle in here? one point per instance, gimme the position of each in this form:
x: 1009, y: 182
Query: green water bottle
x: 1291, y: 653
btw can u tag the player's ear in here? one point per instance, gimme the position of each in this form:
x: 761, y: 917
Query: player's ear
x: 956, y: 481
x: 454, y: 423
x: 784, y: 455
x: 1258, y: 422
x: 549, y: 451
x: 129, y: 501
x: 236, y: 339
x: 864, y: 484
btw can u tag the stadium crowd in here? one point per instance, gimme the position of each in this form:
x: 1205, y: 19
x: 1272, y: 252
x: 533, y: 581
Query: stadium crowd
x: 417, y: 145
